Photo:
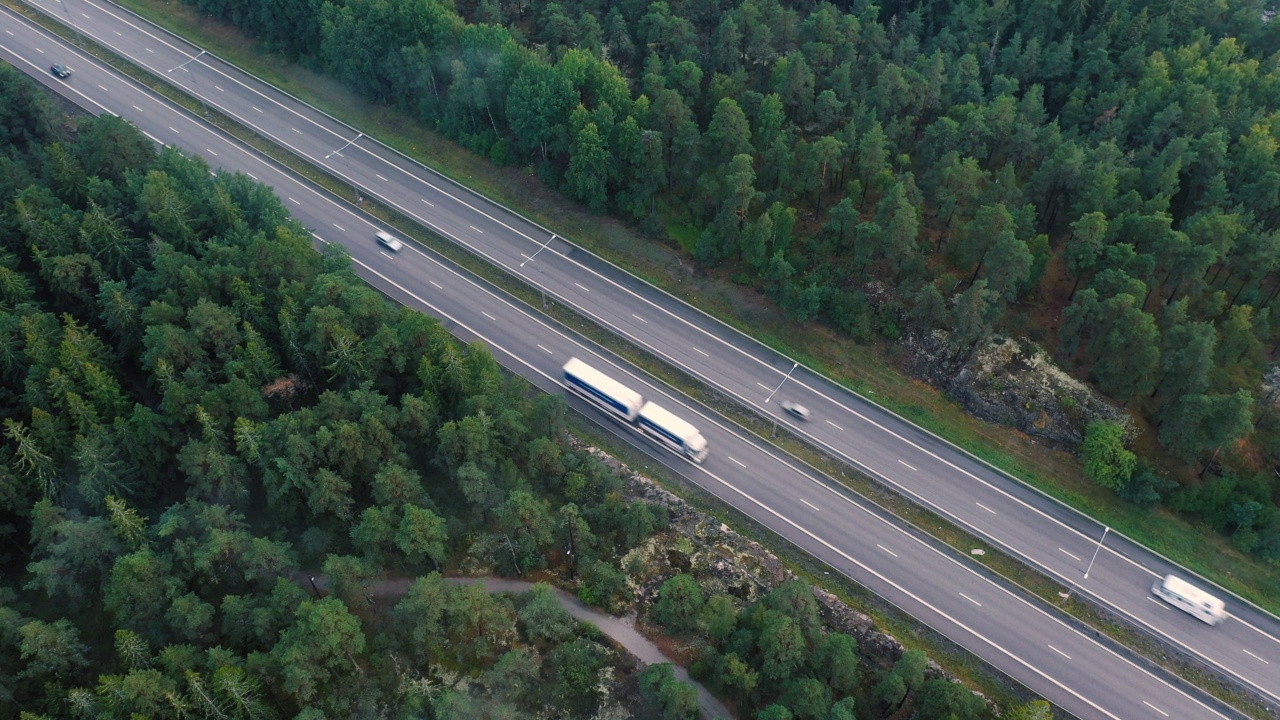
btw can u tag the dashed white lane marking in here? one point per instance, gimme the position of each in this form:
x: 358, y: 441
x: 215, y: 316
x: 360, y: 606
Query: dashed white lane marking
x: 488, y: 316
x: 385, y: 255
x: 1059, y: 652
x: 10, y: 33
x: 215, y: 87
x: 806, y: 502
x: 1064, y: 552
x: 545, y: 350
x: 646, y: 322
x: 585, y: 288
x: 252, y: 176
x: 886, y: 550
x: 175, y: 130
x: 295, y: 202
x: 339, y: 227
x: 135, y: 107
x: 153, y: 52
x: 438, y: 285
x: 427, y: 202
x: 117, y: 32
x: 473, y: 227
x: 1255, y: 657
x: 380, y: 177
x: 984, y: 507
x: 86, y: 17
x: 103, y: 89
x: 908, y: 467
x: 835, y: 426
x: 40, y: 51
x: 966, y: 597
x: 255, y: 107
x: 700, y: 352
x: 211, y: 152
x: 736, y: 460
x: 1153, y: 707
x: 766, y: 387
x: 296, y: 130
x: 1166, y: 607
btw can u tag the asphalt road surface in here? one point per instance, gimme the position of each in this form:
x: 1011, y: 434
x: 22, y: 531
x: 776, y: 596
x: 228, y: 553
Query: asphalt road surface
x: 1026, y: 641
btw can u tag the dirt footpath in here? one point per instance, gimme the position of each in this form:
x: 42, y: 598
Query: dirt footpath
x: 621, y: 630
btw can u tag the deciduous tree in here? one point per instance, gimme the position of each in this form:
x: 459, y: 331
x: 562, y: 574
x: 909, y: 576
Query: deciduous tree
x: 1107, y: 461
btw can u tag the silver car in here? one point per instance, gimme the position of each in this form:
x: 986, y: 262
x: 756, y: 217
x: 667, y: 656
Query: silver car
x: 388, y: 241
x: 796, y: 409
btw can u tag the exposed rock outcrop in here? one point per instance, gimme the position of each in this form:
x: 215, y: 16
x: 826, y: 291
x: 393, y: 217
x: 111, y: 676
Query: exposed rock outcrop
x: 1013, y: 383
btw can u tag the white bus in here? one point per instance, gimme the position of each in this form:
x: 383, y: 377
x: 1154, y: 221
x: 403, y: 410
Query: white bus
x: 671, y: 431
x: 623, y: 403
x: 1189, y: 598
x: 601, y: 390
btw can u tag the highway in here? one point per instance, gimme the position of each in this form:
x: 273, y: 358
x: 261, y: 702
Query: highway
x: 1002, y: 511
x: 1065, y: 666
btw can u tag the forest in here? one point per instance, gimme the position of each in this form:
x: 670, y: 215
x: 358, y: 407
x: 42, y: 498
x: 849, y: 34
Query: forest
x: 1097, y: 176
x: 201, y: 412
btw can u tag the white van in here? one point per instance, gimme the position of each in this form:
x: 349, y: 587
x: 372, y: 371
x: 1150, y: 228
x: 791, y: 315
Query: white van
x: 1190, y: 599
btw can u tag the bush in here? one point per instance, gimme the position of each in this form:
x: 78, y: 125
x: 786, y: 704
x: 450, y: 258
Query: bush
x: 1107, y: 461
x: 670, y: 698
x: 849, y: 311
x: 603, y: 585
x: 679, y: 605
x: 1146, y: 486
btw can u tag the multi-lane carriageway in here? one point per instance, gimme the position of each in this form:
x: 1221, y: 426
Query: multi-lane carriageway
x: 952, y: 483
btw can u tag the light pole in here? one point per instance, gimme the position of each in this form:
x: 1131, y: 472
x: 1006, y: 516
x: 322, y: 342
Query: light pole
x: 542, y: 286
x: 774, y: 431
x: 71, y: 21
x: 195, y: 82
x: 350, y: 175
x: 1095, y: 552
x: 784, y: 382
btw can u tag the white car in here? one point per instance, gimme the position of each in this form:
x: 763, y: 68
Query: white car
x: 796, y: 409
x: 388, y: 241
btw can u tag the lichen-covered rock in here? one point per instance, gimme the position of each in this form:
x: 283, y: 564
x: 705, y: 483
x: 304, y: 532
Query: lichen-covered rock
x: 871, y: 642
x: 725, y: 562
x: 1013, y: 383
